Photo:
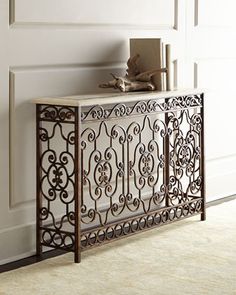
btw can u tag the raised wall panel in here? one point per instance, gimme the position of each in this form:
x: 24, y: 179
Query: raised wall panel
x: 216, y: 76
x: 42, y: 46
x: 215, y: 13
x: 211, y: 60
x: 25, y: 85
x: 92, y: 12
x: 213, y: 43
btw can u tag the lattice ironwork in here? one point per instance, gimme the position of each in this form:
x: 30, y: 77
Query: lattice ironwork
x: 107, y: 171
x: 133, y: 225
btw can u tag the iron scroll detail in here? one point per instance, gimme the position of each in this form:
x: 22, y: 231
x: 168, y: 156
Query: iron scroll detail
x: 120, y: 110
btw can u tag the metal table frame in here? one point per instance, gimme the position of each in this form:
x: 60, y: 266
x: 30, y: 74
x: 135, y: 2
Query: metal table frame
x: 150, y: 170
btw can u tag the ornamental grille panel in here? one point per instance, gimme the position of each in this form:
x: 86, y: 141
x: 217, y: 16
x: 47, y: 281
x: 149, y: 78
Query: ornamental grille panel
x: 107, y: 171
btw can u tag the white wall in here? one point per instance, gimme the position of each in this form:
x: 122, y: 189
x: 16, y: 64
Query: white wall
x: 61, y: 47
x: 211, y: 52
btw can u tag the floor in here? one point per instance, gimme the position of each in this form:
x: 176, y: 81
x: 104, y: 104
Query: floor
x: 53, y: 253
x: 187, y: 257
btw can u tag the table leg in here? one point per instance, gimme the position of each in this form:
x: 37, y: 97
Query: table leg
x: 203, y: 189
x: 78, y: 185
x: 38, y: 190
x: 167, y: 158
x: 58, y: 130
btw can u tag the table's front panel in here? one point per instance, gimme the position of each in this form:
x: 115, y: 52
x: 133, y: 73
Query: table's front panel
x: 138, y: 159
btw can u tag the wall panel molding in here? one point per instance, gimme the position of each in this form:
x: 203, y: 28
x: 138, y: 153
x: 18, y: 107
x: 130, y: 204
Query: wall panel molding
x: 11, y: 137
x: 81, y: 18
x: 196, y: 12
x: 176, y: 15
x: 208, y: 14
x: 13, y: 203
x: 175, y: 74
x: 213, y: 75
x: 90, y: 26
x: 11, y: 12
x: 54, y: 67
x: 195, y: 75
x: 32, y: 75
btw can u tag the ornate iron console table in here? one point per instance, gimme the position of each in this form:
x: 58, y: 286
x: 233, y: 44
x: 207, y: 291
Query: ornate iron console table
x: 113, y: 165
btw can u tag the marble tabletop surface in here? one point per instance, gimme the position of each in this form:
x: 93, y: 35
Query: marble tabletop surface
x: 111, y: 97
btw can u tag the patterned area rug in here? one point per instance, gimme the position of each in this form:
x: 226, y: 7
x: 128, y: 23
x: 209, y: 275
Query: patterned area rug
x: 187, y: 257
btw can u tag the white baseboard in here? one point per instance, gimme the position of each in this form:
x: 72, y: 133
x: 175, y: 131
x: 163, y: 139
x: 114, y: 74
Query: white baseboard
x: 220, y: 186
x: 17, y: 243
x: 220, y: 178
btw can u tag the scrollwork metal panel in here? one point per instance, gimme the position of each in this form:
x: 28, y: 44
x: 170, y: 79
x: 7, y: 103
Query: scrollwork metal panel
x: 57, y: 188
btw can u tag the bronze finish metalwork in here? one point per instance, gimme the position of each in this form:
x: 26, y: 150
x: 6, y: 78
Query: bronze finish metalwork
x: 108, y: 171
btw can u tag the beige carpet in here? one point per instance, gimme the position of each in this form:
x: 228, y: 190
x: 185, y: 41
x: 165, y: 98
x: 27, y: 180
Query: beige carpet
x: 188, y: 257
